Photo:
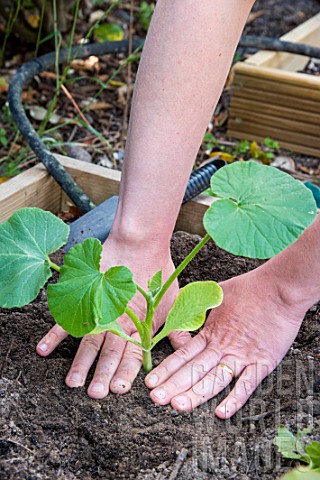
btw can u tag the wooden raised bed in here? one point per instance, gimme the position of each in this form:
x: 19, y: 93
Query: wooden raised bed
x: 270, y: 98
x: 36, y: 188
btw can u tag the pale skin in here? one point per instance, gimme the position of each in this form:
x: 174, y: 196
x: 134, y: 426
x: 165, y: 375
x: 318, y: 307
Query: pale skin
x: 184, y: 65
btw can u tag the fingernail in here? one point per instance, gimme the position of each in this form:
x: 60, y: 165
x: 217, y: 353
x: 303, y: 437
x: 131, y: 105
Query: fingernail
x: 76, y: 377
x: 228, y: 409
x: 43, y: 347
x: 181, y: 401
x: 152, y: 380
x: 119, y: 383
x: 159, y: 393
x: 97, y: 387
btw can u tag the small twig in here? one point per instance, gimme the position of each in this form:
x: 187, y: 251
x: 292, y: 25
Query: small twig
x: 179, y: 464
x: 4, y: 363
x: 16, y: 443
x: 266, y: 414
x: 73, y: 133
x: 74, y: 103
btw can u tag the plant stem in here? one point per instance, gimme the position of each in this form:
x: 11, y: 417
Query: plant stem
x: 147, y: 361
x: 179, y: 269
x: 142, y: 291
x: 53, y: 265
x: 137, y: 323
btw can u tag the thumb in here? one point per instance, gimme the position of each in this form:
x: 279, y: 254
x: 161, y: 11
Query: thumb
x: 179, y: 338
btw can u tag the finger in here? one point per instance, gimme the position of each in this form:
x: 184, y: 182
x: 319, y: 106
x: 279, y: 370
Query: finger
x: 175, y: 361
x: 110, y: 357
x: 87, y: 353
x: 187, y: 376
x: 244, y: 388
x: 179, y: 338
x: 128, y: 368
x: 50, y: 341
x: 216, y: 380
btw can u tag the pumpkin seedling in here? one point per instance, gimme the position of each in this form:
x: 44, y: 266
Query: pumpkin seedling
x: 296, y: 447
x: 258, y: 212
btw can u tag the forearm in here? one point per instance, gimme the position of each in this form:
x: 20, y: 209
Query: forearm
x: 185, y: 62
x: 296, y: 270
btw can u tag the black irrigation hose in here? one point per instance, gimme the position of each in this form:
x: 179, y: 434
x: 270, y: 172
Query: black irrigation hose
x: 24, y: 76
x: 28, y: 71
x: 276, y: 45
x: 200, y: 179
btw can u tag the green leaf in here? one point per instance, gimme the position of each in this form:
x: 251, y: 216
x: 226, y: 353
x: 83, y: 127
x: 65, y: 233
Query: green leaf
x: 289, y: 446
x: 305, y: 431
x: 86, y: 300
x: 155, y: 284
x: 189, y: 310
x: 108, y: 32
x: 313, y: 451
x: 260, y: 212
x: 26, y: 240
x: 115, y: 328
x: 304, y: 473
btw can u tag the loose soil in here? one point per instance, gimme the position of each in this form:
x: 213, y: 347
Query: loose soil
x: 49, y: 431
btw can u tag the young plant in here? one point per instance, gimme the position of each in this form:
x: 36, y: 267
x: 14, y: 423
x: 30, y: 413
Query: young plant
x: 258, y: 212
x: 296, y: 447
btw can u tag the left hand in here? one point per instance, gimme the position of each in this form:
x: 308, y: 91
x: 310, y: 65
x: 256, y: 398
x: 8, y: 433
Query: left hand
x: 246, y: 337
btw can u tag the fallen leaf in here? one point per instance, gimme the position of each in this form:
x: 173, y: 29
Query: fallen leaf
x: 4, y: 85
x: 33, y: 20
x: 108, y: 32
x: 89, y: 63
x: 3, y: 179
x: 283, y: 162
x: 115, y: 83
x: 227, y: 157
x: 95, y: 16
x: 39, y: 113
x: 100, y: 106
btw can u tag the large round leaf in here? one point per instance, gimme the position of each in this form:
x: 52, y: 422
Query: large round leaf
x: 26, y: 239
x: 260, y: 212
x: 85, y: 300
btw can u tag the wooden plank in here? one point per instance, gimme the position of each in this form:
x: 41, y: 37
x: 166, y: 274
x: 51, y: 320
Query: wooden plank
x: 32, y: 188
x: 292, y: 141
x: 264, y: 84
x: 308, y: 32
x: 35, y: 188
x: 278, y: 76
x: 309, y: 130
x: 191, y: 215
x: 314, y: 152
x: 249, y: 94
x: 275, y: 110
x: 99, y: 183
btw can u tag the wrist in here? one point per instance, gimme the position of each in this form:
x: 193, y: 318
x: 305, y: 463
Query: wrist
x: 292, y: 290
x: 148, y: 238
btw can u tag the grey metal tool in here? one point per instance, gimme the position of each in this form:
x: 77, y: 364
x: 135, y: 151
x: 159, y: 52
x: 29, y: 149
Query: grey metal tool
x: 98, y: 222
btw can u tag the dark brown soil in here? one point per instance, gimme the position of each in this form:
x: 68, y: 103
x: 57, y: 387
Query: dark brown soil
x: 49, y: 431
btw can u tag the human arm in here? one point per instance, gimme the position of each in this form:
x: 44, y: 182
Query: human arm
x: 250, y: 332
x: 185, y: 62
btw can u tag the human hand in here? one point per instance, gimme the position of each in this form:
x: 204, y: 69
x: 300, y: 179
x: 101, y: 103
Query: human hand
x: 249, y: 334
x: 119, y: 361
